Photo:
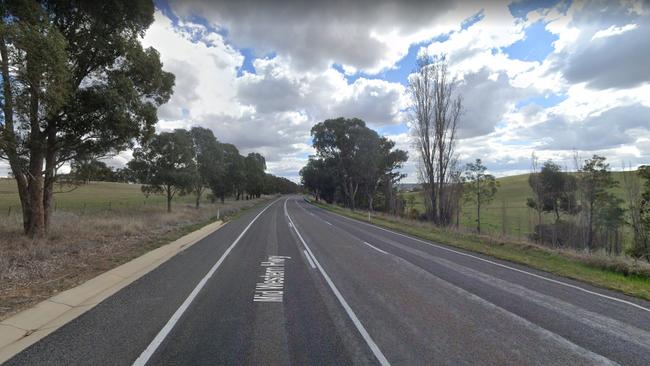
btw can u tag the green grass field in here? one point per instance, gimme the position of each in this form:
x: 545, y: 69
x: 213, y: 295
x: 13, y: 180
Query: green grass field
x: 508, y: 209
x: 94, y: 196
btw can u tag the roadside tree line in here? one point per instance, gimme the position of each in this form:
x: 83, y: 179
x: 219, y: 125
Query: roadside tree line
x: 194, y: 161
x: 353, y: 165
x: 185, y: 162
x: 587, y: 213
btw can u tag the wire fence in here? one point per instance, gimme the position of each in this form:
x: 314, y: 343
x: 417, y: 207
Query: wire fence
x: 93, y: 208
x: 523, y: 224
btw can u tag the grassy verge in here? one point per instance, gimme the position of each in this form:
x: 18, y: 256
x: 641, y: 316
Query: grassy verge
x: 80, y: 247
x: 631, y: 278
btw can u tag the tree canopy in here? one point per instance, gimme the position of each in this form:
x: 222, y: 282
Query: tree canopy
x: 351, y: 158
x: 480, y: 187
x: 166, y: 164
x: 76, y: 82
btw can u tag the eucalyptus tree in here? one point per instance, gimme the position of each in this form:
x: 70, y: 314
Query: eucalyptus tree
x: 275, y: 184
x: 254, y: 167
x: 379, y: 166
x: 555, y: 191
x: 641, y: 216
x: 320, y: 178
x: 84, y: 170
x: 166, y: 164
x: 234, y: 177
x: 344, y: 142
x: 208, y: 161
x: 480, y: 187
x: 76, y: 81
x: 352, y: 157
x: 600, y: 205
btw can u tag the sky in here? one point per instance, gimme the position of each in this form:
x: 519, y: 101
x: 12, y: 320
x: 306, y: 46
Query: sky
x: 550, y: 77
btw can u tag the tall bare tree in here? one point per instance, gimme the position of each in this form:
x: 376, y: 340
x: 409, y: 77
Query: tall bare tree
x: 435, y: 111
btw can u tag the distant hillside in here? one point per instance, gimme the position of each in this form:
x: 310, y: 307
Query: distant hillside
x: 511, y: 199
x: 405, y: 187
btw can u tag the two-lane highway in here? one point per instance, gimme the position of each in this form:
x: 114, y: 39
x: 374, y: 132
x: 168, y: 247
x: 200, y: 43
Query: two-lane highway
x: 290, y: 283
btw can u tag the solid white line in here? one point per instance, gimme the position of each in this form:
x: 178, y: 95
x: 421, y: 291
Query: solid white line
x: 311, y: 262
x: 162, y: 334
x: 374, y: 247
x: 502, y: 265
x: 357, y: 323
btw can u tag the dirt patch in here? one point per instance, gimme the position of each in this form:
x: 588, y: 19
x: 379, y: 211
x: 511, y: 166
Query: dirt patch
x: 79, y: 247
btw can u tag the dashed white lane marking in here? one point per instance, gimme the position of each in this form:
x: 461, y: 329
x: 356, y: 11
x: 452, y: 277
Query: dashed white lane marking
x: 162, y: 334
x: 374, y: 247
x: 357, y: 323
x: 501, y: 265
x: 311, y: 262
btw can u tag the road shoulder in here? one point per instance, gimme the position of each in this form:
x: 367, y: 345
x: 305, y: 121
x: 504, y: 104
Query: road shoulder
x: 29, y: 326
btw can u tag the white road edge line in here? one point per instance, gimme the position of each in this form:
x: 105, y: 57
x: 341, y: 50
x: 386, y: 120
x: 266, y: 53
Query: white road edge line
x: 311, y: 262
x: 503, y: 265
x: 162, y: 334
x: 357, y: 323
x: 374, y: 247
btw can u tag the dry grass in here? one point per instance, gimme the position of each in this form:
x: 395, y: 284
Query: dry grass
x: 79, y: 247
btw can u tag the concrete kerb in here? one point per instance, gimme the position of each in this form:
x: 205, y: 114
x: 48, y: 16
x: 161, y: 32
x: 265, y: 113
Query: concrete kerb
x: 29, y: 326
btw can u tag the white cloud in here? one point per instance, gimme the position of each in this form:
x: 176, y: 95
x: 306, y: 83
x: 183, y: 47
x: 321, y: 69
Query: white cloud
x: 613, y: 31
x: 205, y: 70
x: 370, y: 36
x: 320, y: 95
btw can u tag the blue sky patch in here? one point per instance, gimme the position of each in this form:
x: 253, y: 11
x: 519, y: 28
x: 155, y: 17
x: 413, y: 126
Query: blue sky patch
x: 545, y: 101
x: 393, y: 129
x: 167, y: 11
x: 472, y: 20
x: 520, y: 9
x: 536, y: 45
x: 402, y: 69
x: 247, y: 65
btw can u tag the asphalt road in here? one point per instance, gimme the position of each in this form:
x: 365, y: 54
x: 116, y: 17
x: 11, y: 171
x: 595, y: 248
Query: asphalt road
x: 289, y: 283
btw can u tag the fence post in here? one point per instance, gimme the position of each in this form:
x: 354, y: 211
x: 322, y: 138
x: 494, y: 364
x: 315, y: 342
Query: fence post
x: 530, y: 230
x: 504, y: 219
x: 218, y: 212
x: 9, y: 212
